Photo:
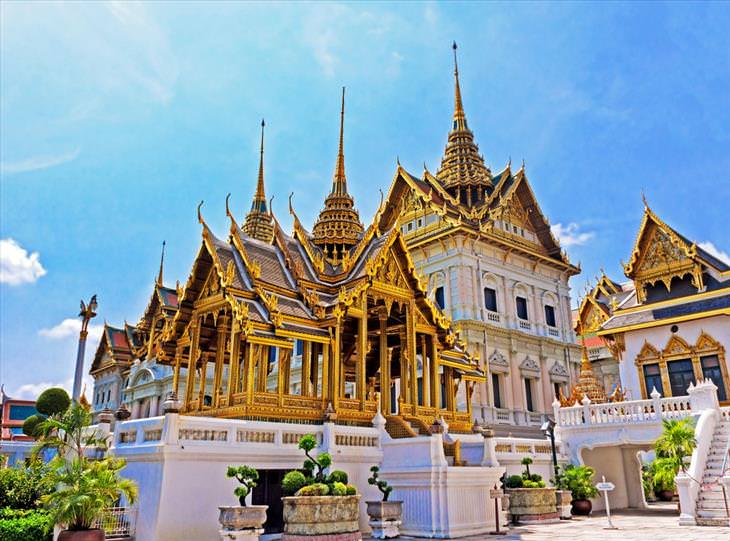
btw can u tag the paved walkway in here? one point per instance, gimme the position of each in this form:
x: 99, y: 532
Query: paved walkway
x: 659, y: 523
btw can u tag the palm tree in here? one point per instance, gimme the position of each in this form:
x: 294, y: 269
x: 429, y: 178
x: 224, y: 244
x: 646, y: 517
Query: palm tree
x: 676, y: 442
x: 68, y: 433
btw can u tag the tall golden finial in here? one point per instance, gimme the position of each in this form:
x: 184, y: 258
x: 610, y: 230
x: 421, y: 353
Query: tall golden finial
x: 339, y: 183
x: 259, y: 223
x: 459, y: 116
x: 162, y: 262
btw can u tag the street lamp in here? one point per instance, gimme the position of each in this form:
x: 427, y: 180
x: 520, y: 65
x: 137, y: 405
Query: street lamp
x: 87, y: 312
x: 549, y: 428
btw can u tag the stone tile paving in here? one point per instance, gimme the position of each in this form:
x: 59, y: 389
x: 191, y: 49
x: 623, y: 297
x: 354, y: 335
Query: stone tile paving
x: 659, y: 523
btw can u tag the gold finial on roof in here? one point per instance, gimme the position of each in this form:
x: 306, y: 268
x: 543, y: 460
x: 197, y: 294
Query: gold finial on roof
x: 339, y: 184
x: 459, y: 116
x: 162, y: 262
x: 259, y: 222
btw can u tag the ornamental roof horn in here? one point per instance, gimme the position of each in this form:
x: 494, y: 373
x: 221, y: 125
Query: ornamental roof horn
x: 338, y: 227
x: 259, y: 223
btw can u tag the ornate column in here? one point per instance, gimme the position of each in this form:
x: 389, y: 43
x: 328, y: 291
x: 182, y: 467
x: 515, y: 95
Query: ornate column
x: 384, y: 361
x: 250, y: 367
x: 233, y: 361
x: 306, y: 367
x: 220, y: 351
x: 362, y: 347
x: 176, y: 371
x: 435, y: 379
x: 314, y: 364
x: 413, y: 362
x: 205, y: 359
x: 336, y: 372
x: 326, y: 392
x: 425, y: 376
x: 192, y: 361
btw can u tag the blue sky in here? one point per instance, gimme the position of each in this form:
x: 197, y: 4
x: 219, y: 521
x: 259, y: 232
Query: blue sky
x: 117, y: 118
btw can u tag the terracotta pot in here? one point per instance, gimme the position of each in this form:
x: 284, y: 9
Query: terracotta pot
x: 380, y: 510
x: 81, y: 535
x: 236, y: 517
x: 665, y: 495
x: 581, y: 507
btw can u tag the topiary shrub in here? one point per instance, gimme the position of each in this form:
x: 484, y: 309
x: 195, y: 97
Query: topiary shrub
x: 247, y: 476
x: 337, y: 476
x: 53, y: 401
x: 339, y: 489
x: 514, y: 481
x: 22, y: 487
x: 30, y: 426
x: 26, y: 525
x: 382, y: 484
x: 292, y: 482
x: 317, y: 489
x: 351, y: 490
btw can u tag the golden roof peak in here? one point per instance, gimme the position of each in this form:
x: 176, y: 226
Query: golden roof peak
x: 162, y: 262
x: 259, y: 223
x: 459, y: 116
x: 338, y: 227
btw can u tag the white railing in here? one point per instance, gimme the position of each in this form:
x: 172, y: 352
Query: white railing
x: 508, y: 447
x: 553, y: 332
x: 525, y: 325
x: 493, y: 316
x: 235, y: 432
x: 635, y: 411
x: 118, y: 522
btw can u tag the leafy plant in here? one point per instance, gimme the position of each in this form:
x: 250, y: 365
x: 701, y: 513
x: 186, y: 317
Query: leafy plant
x: 68, y: 433
x: 664, y: 470
x: 247, y: 476
x: 317, y: 489
x: 22, y: 487
x: 25, y: 525
x: 292, y: 482
x: 382, y: 484
x: 323, y: 461
x: 53, y: 401
x: 31, y: 425
x: 579, y: 480
x: 526, y: 461
x: 337, y: 476
x: 84, y: 489
x: 351, y: 490
x: 514, y: 481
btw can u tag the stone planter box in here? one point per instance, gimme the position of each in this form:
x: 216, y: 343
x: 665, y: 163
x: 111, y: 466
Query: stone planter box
x: 533, y: 505
x: 242, y: 523
x: 313, y: 518
x: 385, y: 518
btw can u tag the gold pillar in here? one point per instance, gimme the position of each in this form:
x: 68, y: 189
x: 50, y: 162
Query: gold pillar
x: 425, y: 379
x: 449, y: 384
x: 411, y: 337
x: 233, y: 362
x: 314, y: 363
x: 435, y: 379
x: 262, y: 362
x: 384, y: 363
x: 220, y: 352
x: 176, y: 371
x: 362, y: 347
x: 336, y: 363
x: 250, y: 367
x: 192, y: 361
x: 306, y: 367
x: 326, y: 373
x: 283, y: 359
x: 403, y: 370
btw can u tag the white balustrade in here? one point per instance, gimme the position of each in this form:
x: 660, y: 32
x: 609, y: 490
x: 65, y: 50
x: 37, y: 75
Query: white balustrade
x: 634, y: 411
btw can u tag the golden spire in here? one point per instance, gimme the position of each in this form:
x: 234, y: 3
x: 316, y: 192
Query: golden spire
x: 462, y: 170
x: 162, y: 262
x: 338, y: 227
x: 339, y: 182
x: 459, y: 116
x: 259, y: 223
x: 587, y: 384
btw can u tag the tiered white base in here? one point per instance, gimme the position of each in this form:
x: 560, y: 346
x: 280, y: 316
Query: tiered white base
x: 385, y: 529
x: 241, y: 535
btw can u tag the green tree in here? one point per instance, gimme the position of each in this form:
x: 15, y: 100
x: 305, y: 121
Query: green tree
x: 247, y: 476
x: 676, y: 441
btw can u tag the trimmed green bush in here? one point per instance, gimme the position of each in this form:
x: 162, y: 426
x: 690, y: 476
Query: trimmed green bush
x: 351, y: 490
x: 53, y: 401
x: 22, y: 487
x: 514, y: 481
x: 337, y: 476
x: 30, y: 426
x: 25, y: 525
x: 339, y: 489
x: 292, y: 482
x: 317, y: 489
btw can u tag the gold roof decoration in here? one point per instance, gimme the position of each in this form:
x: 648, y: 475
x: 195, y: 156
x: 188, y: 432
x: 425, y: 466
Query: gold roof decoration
x: 462, y: 165
x: 587, y: 385
x: 259, y: 223
x: 338, y: 227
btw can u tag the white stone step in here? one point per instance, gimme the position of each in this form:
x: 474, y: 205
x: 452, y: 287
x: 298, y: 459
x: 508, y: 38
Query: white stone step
x: 712, y: 522
x: 711, y: 505
x: 714, y: 513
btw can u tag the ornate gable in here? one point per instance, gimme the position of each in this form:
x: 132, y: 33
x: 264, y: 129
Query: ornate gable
x: 648, y: 352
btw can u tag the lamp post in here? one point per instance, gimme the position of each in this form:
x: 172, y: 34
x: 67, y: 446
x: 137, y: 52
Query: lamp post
x: 549, y: 428
x: 87, y: 312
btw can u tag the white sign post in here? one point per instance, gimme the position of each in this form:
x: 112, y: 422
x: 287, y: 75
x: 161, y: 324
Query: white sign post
x: 606, y: 486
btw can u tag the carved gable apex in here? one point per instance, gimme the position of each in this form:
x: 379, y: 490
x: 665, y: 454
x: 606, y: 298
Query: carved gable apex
x: 515, y: 213
x: 660, y: 251
x: 390, y: 272
x: 530, y: 365
x: 558, y: 371
x: 212, y: 284
x: 675, y: 345
x: 497, y: 358
x: 707, y: 342
x: 648, y: 352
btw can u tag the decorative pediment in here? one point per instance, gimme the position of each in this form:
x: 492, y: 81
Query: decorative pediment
x: 390, y: 273
x: 212, y: 284
x: 706, y: 342
x: 515, y: 213
x: 530, y: 365
x: 647, y: 352
x: 676, y: 345
x: 559, y: 372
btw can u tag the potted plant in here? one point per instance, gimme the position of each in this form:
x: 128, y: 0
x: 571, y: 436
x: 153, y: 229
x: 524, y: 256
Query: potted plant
x: 579, y: 481
x: 318, y: 504
x: 85, y: 488
x: 676, y: 442
x: 242, y: 517
x: 529, y: 499
x: 385, y: 516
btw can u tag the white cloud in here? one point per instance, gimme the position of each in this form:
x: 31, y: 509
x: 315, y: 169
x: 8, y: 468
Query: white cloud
x: 714, y: 250
x: 37, y: 163
x: 30, y: 391
x: 570, y: 235
x: 70, y: 328
x: 17, y: 266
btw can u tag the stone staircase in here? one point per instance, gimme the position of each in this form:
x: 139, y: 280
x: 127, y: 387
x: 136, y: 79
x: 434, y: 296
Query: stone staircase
x: 711, y: 510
